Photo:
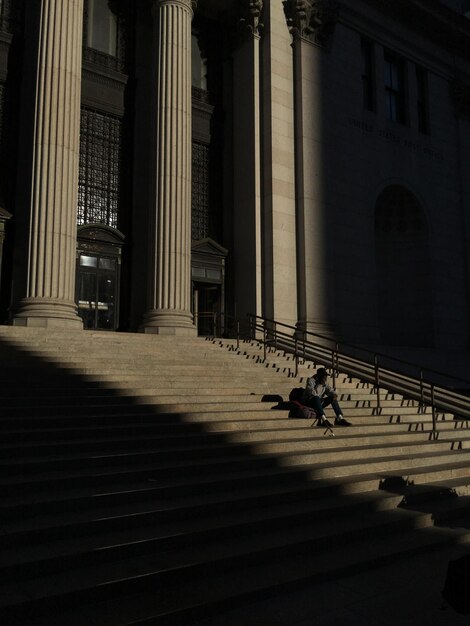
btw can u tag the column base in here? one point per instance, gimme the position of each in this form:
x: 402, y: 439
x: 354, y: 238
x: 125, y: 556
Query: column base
x: 47, y: 313
x: 165, y: 322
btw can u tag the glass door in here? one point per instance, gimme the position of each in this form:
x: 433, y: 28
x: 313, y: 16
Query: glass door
x: 97, y: 291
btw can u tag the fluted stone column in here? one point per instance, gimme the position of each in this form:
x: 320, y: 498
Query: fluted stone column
x: 50, y: 285
x: 170, y: 277
x: 4, y: 217
x: 247, y: 251
x: 311, y: 23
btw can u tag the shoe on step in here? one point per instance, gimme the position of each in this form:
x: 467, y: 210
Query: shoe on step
x: 340, y: 421
x: 324, y: 423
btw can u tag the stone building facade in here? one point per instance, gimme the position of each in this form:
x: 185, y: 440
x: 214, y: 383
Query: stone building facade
x: 168, y: 162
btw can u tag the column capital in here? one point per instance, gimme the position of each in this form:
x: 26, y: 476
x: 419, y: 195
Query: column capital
x: 189, y: 5
x: 250, y: 15
x: 313, y: 20
x: 244, y: 21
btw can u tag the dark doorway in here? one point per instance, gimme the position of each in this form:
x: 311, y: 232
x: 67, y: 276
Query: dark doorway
x: 98, y: 291
x: 208, y: 274
x: 98, y: 276
x: 207, y: 308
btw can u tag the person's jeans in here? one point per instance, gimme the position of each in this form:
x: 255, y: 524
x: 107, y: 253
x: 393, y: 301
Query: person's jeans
x: 319, y: 404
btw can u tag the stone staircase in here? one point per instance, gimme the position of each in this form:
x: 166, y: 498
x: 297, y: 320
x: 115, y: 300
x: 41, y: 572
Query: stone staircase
x: 148, y: 480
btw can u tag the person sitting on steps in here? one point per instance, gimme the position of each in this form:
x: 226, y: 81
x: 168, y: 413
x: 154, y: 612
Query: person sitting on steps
x: 318, y: 395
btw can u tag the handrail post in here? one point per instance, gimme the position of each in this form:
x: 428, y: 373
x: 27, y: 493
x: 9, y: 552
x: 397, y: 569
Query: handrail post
x: 421, y: 387
x: 214, y: 324
x: 296, y: 358
x: 333, y: 368
x: 238, y: 334
x: 337, y: 360
x: 264, y: 339
x: 275, y: 335
x: 377, y: 381
x: 433, y: 408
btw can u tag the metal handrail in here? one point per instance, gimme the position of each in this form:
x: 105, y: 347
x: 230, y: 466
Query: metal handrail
x: 219, y: 321
x: 425, y: 389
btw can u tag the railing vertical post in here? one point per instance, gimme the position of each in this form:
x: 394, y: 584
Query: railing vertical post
x: 275, y: 335
x: 214, y: 324
x: 421, y: 388
x: 238, y: 334
x: 296, y: 359
x: 377, y: 381
x: 337, y: 360
x: 433, y: 408
x: 264, y: 339
x: 333, y: 368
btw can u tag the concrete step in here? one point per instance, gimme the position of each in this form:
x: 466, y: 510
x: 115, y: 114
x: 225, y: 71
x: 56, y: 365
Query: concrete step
x: 61, y: 445
x: 338, y: 450
x: 251, y: 575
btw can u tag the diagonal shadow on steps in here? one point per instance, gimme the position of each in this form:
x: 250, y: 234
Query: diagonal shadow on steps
x: 116, y: 511
x: 448, y: 506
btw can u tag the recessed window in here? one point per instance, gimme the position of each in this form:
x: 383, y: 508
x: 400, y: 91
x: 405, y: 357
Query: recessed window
x: 198, y: 65
x: 422, y: 100
x: 102, y: 27
x: 87, y: 260
x: 368, y: 83
x: 394, y: 79
x: 107, y: 263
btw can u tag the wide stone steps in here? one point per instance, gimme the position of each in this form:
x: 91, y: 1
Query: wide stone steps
x: 148, y: 480
x: 170, y: 527
x: 224, y: 577
x: 63, y: 446
x: 196, y: 396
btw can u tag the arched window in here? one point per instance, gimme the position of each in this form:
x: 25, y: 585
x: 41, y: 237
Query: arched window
x: 404, y: 281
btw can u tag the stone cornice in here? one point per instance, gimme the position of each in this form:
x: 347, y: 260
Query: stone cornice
x: 104, y: 77
x: 432, y: 20
x: 313, y: 20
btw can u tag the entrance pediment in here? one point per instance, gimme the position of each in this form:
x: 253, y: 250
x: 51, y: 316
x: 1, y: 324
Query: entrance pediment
x: 209, y: 247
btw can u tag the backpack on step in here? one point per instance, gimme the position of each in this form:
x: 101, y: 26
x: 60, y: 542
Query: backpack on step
x: 299, y: 410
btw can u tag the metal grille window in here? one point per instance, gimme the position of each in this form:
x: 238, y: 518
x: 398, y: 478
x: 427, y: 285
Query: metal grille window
x: 200, y: 191
x: 11, y: 12
x: 100, y: 169
x: 4, y: 6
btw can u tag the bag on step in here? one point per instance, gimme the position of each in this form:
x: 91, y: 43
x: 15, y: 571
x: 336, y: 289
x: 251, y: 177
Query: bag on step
x: 296, y: 394
x: 299, y: 410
